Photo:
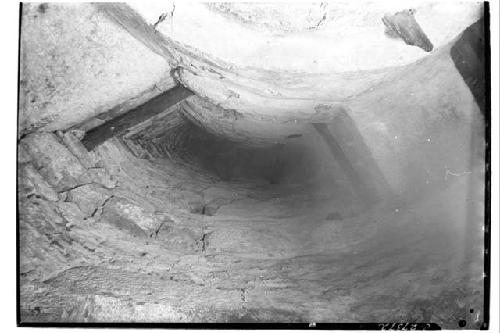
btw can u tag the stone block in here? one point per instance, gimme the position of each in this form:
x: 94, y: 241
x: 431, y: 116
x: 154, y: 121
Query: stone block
x: 179, y: 238
x: 54, y: 161
x: 32, y: 183
x: 127, y: 216
x: 71, y: 213
x: 103, y: 177
x: 76, y: 148
x: 89, y: 198
x: 22, y: 155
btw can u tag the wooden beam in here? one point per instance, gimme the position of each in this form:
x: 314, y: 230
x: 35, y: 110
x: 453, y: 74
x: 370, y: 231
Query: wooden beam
x: 119, y: 125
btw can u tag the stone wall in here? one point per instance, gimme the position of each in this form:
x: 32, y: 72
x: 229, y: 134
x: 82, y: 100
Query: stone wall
x: 76, y: 64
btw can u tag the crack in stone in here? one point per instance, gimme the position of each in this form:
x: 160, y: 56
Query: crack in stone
x: 163, y: 16
x: 323, y: 6
x: 100, y: 207
x: 243, y: 295
x: 75, y: 187
x: 204, y: 241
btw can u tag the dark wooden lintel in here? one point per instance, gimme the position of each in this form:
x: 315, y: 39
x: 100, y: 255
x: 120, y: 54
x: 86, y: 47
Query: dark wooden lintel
x: 119, y: 125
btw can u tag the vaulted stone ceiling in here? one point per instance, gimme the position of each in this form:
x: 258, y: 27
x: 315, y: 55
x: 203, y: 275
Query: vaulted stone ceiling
x: 279, y: 66
x: 301, y: 61
x: 271, y: 64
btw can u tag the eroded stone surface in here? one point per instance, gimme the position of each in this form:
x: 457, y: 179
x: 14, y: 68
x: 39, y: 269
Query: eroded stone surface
x: 54, y: 161
x: 245, y: 264
x: 71, y: 213
x: 89, y: 198
x: 103, y: 177
x: 31, y: 183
